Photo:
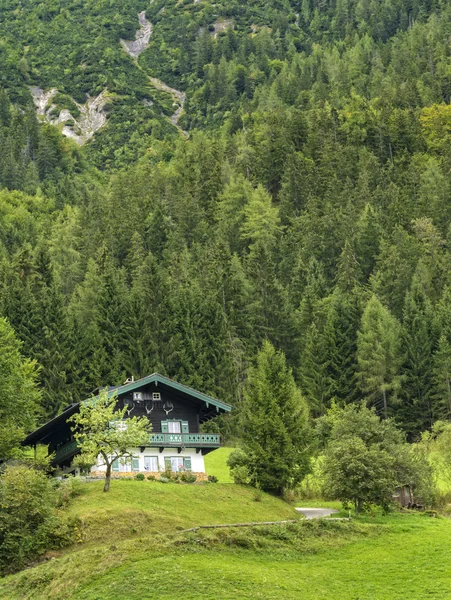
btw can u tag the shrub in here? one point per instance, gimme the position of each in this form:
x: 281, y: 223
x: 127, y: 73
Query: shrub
x: 213, y: 479
x: 240, y: 475
x: 29, y: 523
x: 151, y: 477
x: 188, y: 477
x: 164, y: 479
x: 140, y: 476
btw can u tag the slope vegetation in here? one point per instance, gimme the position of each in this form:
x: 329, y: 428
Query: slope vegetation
x: 131, y: 547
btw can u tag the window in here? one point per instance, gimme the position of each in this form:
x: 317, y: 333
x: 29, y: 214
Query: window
x: 151, y: 464
x: 177, y: 463
x: 124, y: 465
x: 174, y: 427
x: 119, y: 425
x: 156, y: 396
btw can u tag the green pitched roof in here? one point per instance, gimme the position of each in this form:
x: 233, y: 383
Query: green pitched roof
x: 157, y: 378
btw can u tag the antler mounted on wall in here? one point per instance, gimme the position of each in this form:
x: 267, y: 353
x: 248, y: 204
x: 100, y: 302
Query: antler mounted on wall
x: 167, y: 407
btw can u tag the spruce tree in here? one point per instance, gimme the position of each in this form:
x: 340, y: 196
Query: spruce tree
x: 276, y: 434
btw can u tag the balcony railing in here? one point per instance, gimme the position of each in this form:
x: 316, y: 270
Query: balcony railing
x: 166, y: 440
x: 66, y: 451
x: 189, y: 440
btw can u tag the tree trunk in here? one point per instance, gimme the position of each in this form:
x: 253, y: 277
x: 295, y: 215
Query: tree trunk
x: 106, y: 487
x: 357, y: 506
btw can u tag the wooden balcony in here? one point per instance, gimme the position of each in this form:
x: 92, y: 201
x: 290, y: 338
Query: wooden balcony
x: 66, y: 451
x: 187, y: 440
x: 162, y: 440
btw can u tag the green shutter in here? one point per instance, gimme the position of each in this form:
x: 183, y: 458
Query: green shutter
x: 185, y: 428
x: 187, y: 463
x: 164, y: 427
x: 167, y: 463
x: 115, y: 465
x: 135, y: 463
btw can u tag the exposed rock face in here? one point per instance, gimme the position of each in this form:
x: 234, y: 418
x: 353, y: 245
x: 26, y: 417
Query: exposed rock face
x: 92, y: 115
x: 142, y: 37
x: 135, y: 48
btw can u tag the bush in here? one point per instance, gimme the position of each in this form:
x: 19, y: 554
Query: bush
x: 241, y: 475
x: 151, y: 477
x: 68, y: 488
x: 29, y: 523
x: 164, y: 479
x: 140, y: 476
x: 188, y: 477
x: 213, y: 479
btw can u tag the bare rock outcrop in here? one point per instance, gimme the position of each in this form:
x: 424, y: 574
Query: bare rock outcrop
x: 142, y: 37
x: 92, y: 115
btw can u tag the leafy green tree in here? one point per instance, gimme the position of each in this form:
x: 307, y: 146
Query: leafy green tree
x: 366, y: 458
x: 29, y: 522
x: 379, y: 355
x: 19, y: 395
x: 276, y: 435
x: 100, y: 437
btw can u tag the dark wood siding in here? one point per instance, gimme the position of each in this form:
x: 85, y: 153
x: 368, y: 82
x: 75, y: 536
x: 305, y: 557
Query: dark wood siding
x: 183, y: 408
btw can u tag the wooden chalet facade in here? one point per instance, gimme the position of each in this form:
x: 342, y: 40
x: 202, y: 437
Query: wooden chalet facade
x: 176, y: 413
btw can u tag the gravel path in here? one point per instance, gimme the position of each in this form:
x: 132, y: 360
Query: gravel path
x: 315, y: 513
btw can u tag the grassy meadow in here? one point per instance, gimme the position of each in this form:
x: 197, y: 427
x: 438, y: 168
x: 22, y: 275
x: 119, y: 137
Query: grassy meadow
x: 131, y: 545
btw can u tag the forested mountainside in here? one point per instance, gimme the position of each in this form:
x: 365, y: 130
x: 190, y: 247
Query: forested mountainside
x: 274, y: 169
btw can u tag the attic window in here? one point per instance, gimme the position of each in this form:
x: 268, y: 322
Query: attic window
x: 156, y: 396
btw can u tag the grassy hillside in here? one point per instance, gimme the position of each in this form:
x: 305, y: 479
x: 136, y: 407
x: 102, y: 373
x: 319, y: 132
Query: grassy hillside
x: 216, y: 464
x: 133, y: 549
x: 143, y: 508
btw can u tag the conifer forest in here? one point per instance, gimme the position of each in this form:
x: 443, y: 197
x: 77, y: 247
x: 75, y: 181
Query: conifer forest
x: 182, y: 180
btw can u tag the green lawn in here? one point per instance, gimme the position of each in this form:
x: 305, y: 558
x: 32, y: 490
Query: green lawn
x: 411, y: 561
x: 215, y: 464
x: 142, y: 508
x: 386, y: 558
x: 132, y: 548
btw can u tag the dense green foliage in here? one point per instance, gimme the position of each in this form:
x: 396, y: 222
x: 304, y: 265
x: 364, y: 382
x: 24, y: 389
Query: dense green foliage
x: 29, y: 521
x: 310, y: 205
x: 19, y: 397
x: 366, y: 458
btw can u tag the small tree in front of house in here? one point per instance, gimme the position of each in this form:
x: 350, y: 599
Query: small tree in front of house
x: 102, y: 434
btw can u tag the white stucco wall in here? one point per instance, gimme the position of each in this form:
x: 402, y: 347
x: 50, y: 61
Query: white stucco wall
x: 197, y: 460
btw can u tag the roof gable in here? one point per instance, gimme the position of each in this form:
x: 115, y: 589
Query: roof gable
x: 160, y: 379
